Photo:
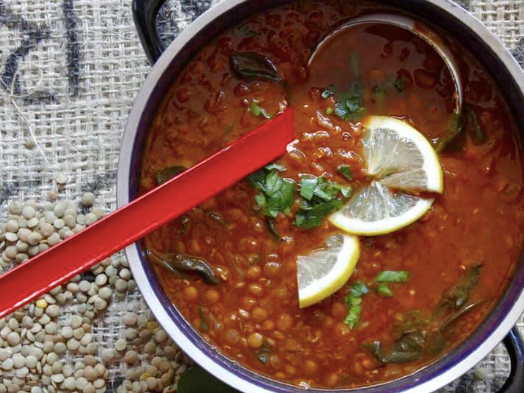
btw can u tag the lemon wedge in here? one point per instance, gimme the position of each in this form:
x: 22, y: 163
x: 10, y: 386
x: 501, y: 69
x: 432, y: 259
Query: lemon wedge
x: 324, y: 271
x: 402, y: 163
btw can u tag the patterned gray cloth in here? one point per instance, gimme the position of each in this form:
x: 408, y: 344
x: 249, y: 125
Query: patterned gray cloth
x: 69, y: 71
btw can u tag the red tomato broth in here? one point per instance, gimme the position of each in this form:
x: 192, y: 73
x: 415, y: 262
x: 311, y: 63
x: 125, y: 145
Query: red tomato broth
x: 479, y: 217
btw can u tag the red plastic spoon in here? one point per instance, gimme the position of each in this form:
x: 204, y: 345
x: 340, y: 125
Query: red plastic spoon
x: 59, y: 264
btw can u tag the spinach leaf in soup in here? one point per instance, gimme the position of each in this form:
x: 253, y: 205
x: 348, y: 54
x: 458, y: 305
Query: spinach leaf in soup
x: 475, y: 128
x: 168, y: 173
x: 457, y: 296
x: 421, y: 336
x: 451, y: 140
x: 249, y: 65
x: 181, y: 265
x: 460, y: 125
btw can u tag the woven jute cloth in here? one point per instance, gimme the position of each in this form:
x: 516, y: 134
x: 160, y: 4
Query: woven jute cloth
x: 69, y: 72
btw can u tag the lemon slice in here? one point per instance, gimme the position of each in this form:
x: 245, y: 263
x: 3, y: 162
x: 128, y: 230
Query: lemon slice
x: 401, y: 162
x: 324, y: 271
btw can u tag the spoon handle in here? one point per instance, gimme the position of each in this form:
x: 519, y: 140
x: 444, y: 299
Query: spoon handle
x: 59, y: 264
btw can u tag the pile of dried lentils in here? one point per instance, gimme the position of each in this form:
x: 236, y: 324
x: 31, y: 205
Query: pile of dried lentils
x: 59, y: 343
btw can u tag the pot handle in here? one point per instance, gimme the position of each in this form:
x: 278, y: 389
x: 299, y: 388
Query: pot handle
x: 515, y: 347
x: 144, y: 15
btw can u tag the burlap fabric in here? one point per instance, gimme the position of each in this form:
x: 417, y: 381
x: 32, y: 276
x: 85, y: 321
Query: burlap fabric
x: 69, y: 71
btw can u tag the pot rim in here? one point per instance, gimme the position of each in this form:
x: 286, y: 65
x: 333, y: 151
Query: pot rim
x: 208, y: 357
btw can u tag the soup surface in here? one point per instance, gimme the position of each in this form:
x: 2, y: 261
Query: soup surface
x: 455, y: 261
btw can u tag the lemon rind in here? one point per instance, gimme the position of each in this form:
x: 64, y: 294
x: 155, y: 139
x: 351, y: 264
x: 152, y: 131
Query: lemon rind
x: 337, y: 277
x: 357, y: 226
x: 431, y: 166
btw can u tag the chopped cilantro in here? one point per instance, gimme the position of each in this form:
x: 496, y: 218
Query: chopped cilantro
x: 277, y: 167
x: 261, y: 200
x: 392, y: 276
x: 387, y: 276
x: 277, y: 195
x: 257, y: 110
x: 354, y: 302
x: 348, y: 106
x: 319, y: 199
x: 328, y: 91
x: 400, y: 84
x: 359, y: 289
x: 346, y: 191
x: 307, y: 186
x: 345, y: 170
x: 273, y: 182
x: 312, y: 217
x: 318, y: 186
x: 329, y: 111
x: 383, y: 290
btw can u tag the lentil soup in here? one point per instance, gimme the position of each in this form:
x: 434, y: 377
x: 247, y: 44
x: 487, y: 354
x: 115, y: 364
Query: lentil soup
x: 230, y: 265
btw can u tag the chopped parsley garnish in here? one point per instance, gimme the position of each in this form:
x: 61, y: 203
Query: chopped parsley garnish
x: 277, y: 194
x: 353, y: 301
x: 277, y: 167
x: 400, y: 84
x: 348, y: 105
x: 318, y: 186
x: 328, y: 91
x: 257, y: 110
x: 169, y: 172
x: 307, y: 187
x: 383, y: 290
x: 388, y: 276
x: 319, y: 198
x: 345, y: 170
x: 359, y: 289
x: 310, y: 217
x: 393, y: 276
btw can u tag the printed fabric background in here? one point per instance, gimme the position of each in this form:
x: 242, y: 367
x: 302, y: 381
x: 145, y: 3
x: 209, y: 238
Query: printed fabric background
x: 69, y: 72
